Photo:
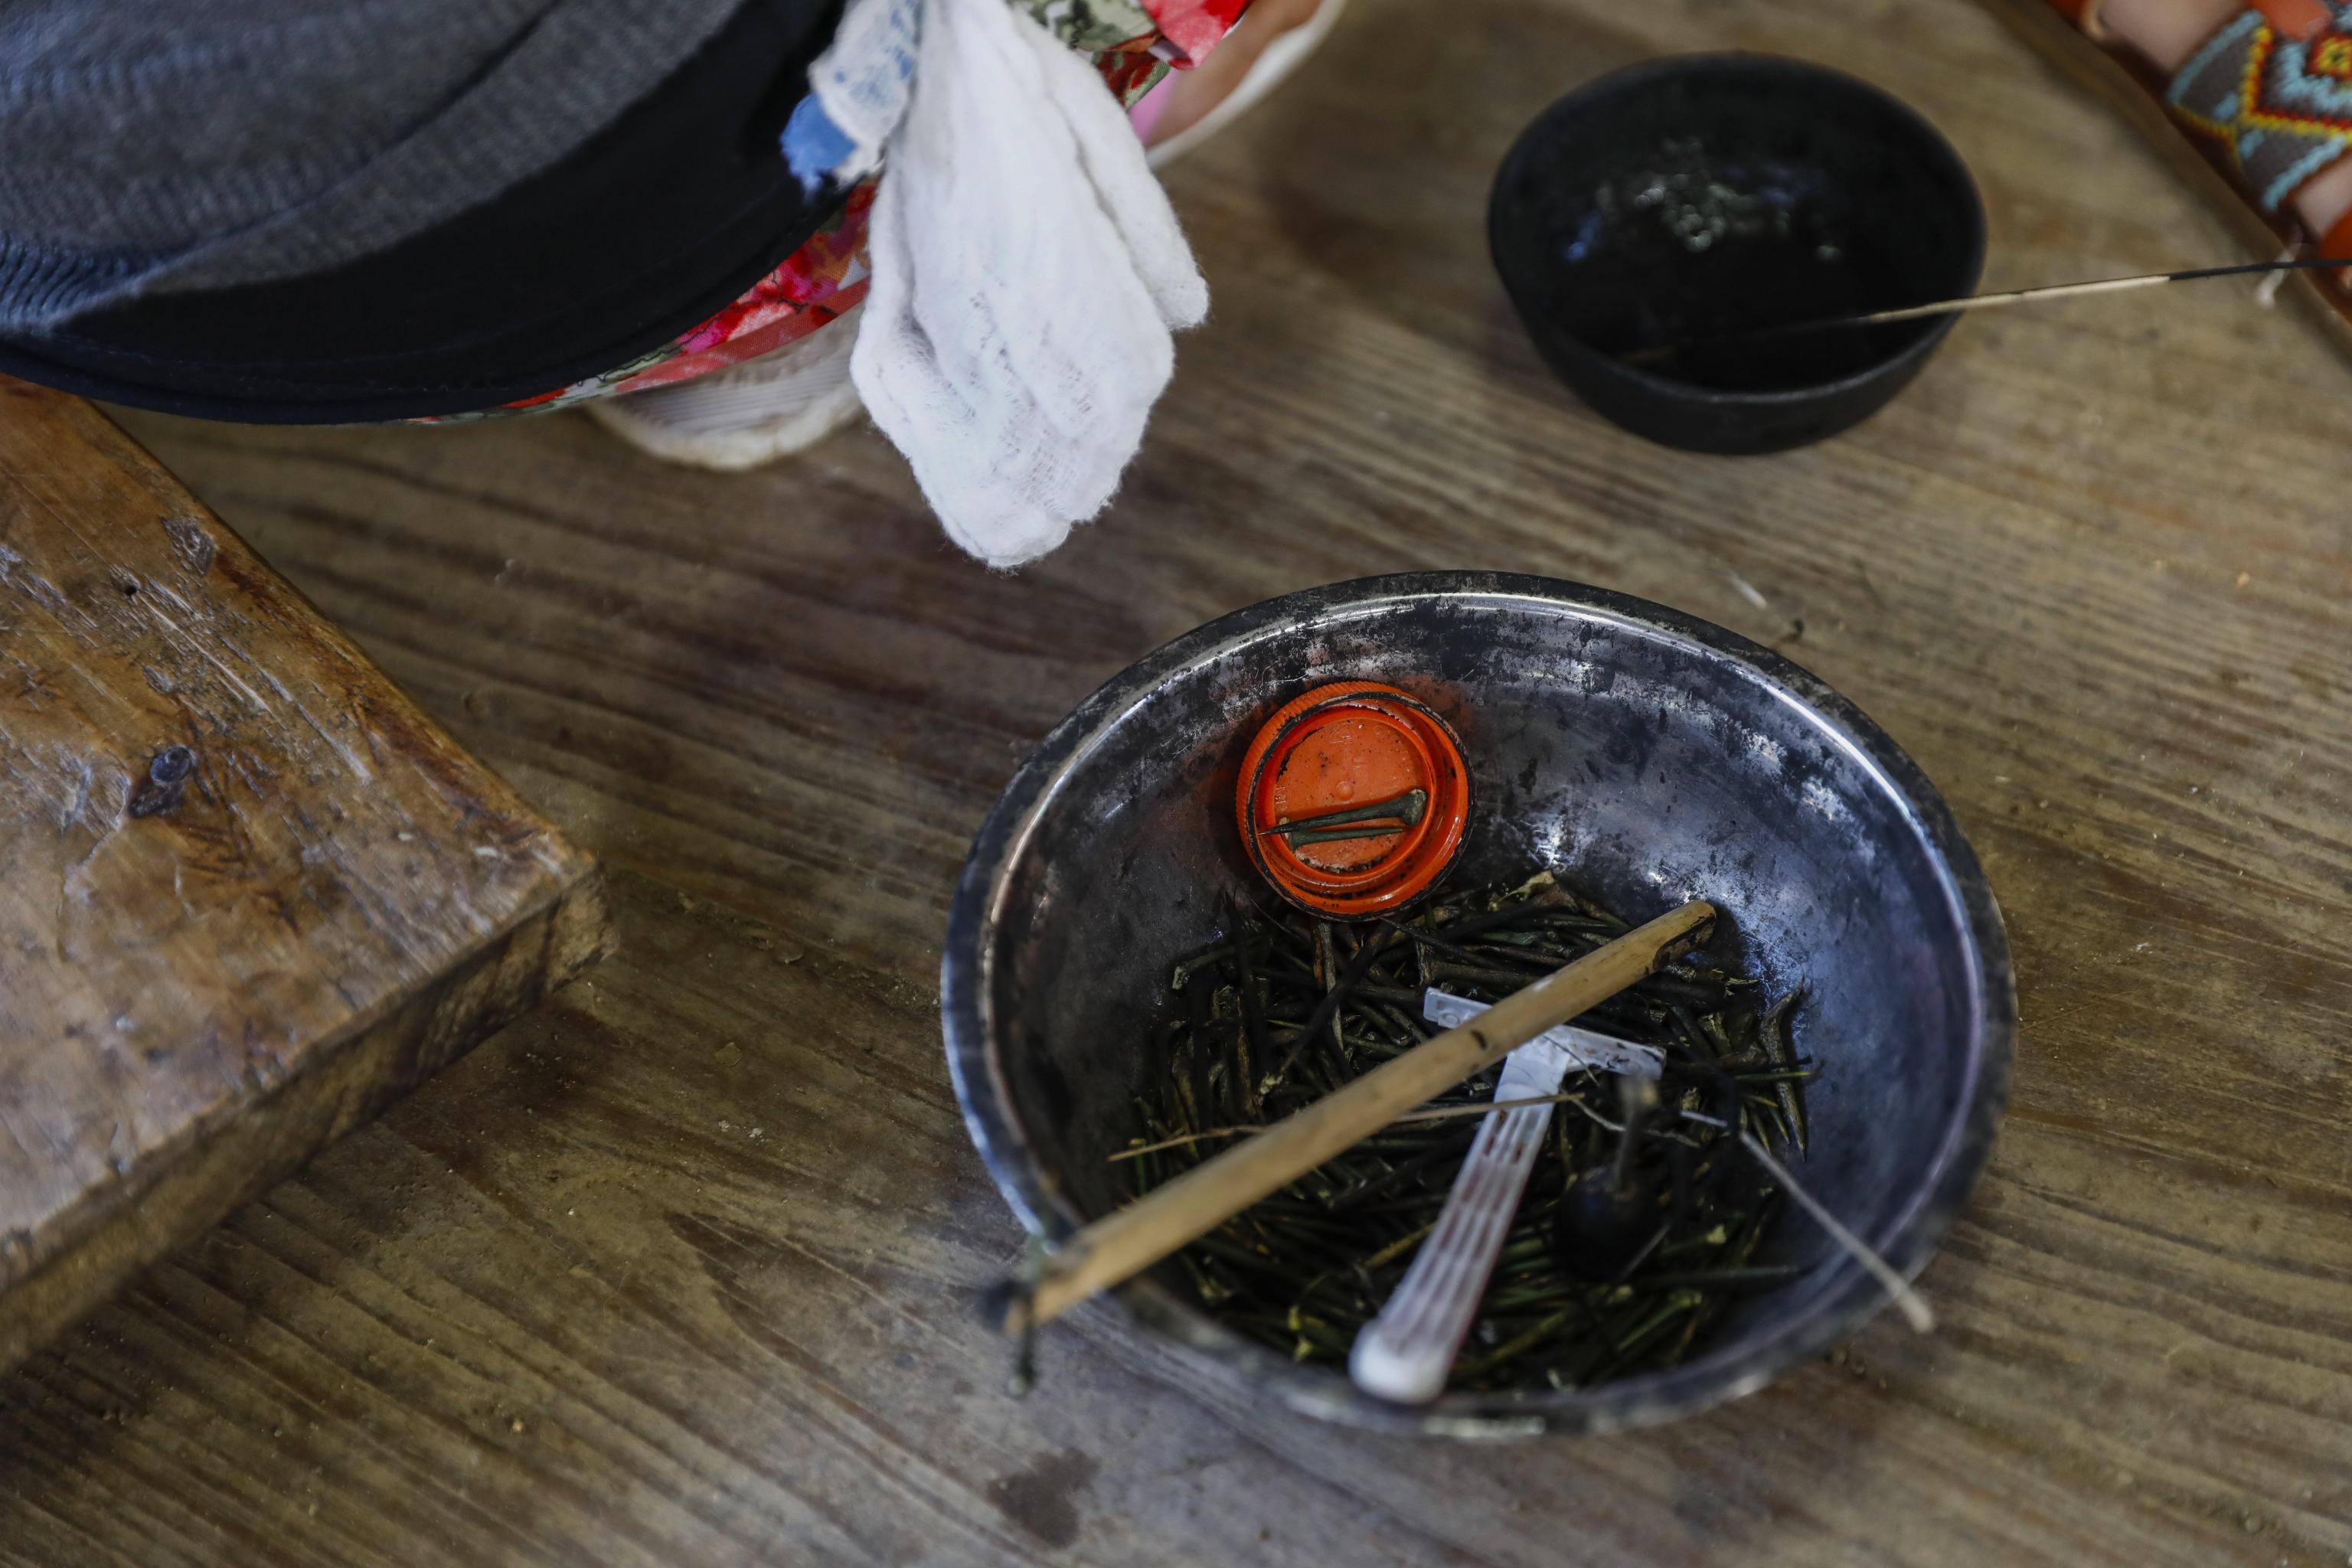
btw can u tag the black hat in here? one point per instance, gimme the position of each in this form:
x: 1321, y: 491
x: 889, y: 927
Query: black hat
x: 667, y: 209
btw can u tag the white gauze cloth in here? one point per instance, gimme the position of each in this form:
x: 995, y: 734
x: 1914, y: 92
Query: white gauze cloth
x: 1027, y: 267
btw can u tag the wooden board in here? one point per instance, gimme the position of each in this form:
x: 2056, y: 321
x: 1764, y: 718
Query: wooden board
x: 247, y: 892
x: 677, y: 1270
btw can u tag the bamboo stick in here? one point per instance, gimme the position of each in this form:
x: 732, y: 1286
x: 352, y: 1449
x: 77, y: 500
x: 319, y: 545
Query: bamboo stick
x: 1122, y: 1244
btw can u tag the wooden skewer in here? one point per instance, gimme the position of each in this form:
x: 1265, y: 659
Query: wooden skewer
x: 1121, y: 1245
x: 1967, y: 302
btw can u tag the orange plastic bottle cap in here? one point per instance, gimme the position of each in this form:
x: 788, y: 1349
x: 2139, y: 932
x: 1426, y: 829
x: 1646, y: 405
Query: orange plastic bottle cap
x: 1353, y: 799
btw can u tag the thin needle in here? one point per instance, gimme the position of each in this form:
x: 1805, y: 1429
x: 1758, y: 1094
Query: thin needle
x: 1967, y: 302
x: 1916, y: 1310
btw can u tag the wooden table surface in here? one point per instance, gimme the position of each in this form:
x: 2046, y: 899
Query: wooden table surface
x: 677, y: 1270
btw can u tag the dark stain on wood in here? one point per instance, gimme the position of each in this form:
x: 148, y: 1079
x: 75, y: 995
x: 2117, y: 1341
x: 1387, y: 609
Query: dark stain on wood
x: 1044, y: 1498
x: 166, y: 782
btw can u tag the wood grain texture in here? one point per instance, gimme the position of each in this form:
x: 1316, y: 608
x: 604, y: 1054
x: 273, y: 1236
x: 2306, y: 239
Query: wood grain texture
x: 247, y: 892
x: 704, y: 1226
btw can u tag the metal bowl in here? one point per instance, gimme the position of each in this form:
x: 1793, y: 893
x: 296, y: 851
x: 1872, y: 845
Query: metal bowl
x: 1650, y: 758
x: 1699, y: 195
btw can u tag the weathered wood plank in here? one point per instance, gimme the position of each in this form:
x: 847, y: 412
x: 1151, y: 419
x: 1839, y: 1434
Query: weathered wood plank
x: 679, y: 1269
x: 247, y: 892
x: 782, y: 693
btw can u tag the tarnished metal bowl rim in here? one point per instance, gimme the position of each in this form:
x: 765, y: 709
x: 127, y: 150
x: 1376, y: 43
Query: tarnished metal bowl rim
x: 1202, y: 1345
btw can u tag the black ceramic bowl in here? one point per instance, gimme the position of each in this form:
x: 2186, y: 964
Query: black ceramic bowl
x: 1651, y: 758
x: 1705, y: 196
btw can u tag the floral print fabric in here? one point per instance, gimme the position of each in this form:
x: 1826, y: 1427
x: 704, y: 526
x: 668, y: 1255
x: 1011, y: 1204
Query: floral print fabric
x: 1134, y: 43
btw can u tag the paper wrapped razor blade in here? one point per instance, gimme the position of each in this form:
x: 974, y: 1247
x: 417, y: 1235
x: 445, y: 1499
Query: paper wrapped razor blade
x: 1583, y: 1048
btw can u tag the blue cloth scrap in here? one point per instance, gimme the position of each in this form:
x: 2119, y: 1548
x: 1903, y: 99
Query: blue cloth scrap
x: 866, y: 75
x: 814, y: 146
